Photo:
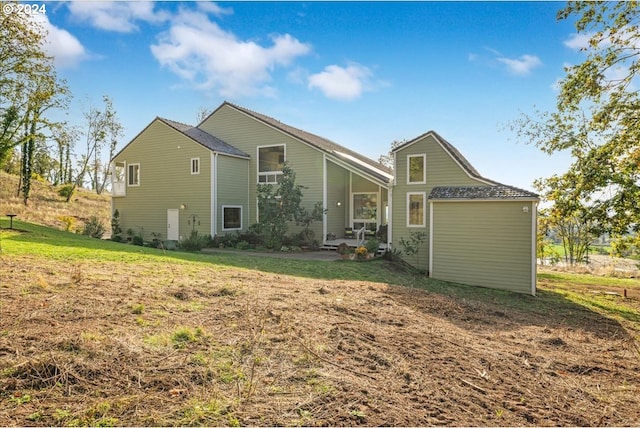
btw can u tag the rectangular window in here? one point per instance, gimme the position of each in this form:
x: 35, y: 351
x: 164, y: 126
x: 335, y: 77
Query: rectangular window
x: 118, y: 179
x: 134, y: 174
x: 415, y: 209
x: 417, y: 169
x: 195, y: 166
x: 232, y: 217
x: 270, y: 163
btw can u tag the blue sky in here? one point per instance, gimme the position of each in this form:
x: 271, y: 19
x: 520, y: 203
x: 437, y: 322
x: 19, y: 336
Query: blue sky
x: 362, y: 74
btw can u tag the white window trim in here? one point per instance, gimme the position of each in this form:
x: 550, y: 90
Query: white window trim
x: 241, y: 215
x: 118, y: 188
x: 129, y: 175
x: 424, y: 169
x: 269, y: 173
x: 198, y: 165
x: 424, y: 209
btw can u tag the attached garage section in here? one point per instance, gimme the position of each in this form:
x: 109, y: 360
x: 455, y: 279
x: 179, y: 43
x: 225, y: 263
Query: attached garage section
x: 484, y: 236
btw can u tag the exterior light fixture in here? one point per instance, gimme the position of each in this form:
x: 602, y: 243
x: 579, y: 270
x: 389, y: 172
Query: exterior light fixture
x: 338, y: 203
x: 183, y: 206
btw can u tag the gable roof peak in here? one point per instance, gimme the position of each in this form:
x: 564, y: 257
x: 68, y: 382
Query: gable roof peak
x: 457, y: 156
x: 174, y: 122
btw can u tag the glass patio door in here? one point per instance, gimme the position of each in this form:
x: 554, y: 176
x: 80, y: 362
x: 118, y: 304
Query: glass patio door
x: 365, y: 211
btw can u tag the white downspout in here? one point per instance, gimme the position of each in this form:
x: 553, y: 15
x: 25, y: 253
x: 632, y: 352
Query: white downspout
x: 390, y: 219
x: 390, y: 216
x: 214, y: 194
x: 534, y: 236
x: 350, y: 199
x: 430, y: 239
x: 324, y: 199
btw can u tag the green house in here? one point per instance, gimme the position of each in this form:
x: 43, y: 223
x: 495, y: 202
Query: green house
x: 173, y: 178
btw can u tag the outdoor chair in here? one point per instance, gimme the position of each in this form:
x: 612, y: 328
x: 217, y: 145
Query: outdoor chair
x: 348, y: 233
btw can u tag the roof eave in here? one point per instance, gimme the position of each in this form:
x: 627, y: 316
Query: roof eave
x: 506, y: 199
x: 357, y: 165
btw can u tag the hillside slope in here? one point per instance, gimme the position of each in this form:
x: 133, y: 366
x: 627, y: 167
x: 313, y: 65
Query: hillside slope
x: 46, y: 207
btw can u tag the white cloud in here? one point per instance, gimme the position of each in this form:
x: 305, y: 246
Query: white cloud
x: 521, y: 66
x: 66, y: 49
x: 199, y: 51
x: 341, y: 83
x: 116, y: 15
x: 626, y: 36
x: 214, y: 8
x: 578, y: 41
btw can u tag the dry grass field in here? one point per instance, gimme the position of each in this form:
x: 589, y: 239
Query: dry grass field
x: 103, y: 334
x: 48, y: 208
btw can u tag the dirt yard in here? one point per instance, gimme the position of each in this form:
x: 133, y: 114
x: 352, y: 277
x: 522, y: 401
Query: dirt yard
x: 98, y: 344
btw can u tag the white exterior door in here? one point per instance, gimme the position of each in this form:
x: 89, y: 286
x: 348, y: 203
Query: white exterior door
x: 173, y: 220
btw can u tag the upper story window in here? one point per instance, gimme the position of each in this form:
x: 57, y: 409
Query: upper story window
x: 195, y: 166
x: 417, y: 169
x: 133, y: 178
x: 270, y: 163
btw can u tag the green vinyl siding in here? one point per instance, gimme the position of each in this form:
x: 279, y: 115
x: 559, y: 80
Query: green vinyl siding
x: 488, y: 244
x: 232, y: 187
x: 247, y: 134
x: 166, y: 182
x: 361, y: 185
x: 441, y: 170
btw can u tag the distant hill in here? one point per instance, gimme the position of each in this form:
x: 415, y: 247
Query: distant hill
x: 46, y: 207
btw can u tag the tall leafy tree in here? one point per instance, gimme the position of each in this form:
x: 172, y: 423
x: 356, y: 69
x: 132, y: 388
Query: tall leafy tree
x: 101, y: 127
x: 44, y: 92
x: 597, y: 119
x: 29, y: 87
x: 64, y: 137
x: 108, y: 131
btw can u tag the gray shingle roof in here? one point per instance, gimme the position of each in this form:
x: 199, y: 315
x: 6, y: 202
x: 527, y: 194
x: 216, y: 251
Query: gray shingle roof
x: 209, y: 141
x: 355, y: 159
x: 500, y: 191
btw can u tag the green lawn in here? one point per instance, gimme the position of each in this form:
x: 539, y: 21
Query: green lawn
x: 569, y: 279
x: 64, y: 246
x: 556, y: 291
x: 604, y: 295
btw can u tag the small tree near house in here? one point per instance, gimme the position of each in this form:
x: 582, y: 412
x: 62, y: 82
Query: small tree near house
x: 281, y: 205
x: 116, y: 230
x: 411, y: 247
